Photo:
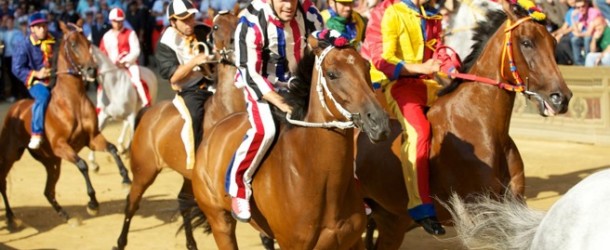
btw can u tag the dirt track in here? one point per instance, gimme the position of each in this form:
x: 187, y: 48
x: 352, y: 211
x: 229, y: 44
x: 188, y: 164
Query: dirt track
x: 551, y: 169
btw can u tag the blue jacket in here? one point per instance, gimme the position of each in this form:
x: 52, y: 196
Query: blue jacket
x: 31, y: 55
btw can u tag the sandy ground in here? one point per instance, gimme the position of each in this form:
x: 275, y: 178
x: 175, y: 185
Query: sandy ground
x: 551, y: 169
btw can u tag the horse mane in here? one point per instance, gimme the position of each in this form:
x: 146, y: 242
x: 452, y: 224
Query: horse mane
x: 481, y: 35
x: 297, y: 95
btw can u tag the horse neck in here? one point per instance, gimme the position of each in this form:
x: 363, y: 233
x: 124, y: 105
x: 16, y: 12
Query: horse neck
x: 227, y: 96
x: 65, y: 72
x: 496, y: 101
x: 336, y: 142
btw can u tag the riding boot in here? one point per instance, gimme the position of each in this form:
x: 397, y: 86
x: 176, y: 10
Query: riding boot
x: 432, y: 226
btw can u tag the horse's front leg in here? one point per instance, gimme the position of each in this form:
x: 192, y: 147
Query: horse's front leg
x: 102, y: 119
x: 515, y: 169
x: 63, y: 150
x: 99, y: 143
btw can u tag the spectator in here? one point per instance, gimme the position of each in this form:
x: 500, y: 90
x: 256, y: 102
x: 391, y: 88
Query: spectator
x: 87, y: 24
x: 583, y: 16
x: 4, y: 9
x: 341, y: 17
x: 604, y: 8
x: 99, y: 28
x: 563, y: 35
x: 555, y: 11
x: 600, y: 41
x: 69, y: 15
x: 12, y: 37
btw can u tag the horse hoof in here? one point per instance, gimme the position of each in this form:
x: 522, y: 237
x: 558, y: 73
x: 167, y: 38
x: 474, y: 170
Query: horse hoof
x: 75, y: 221
x: 93, y: 212
x: 121, y: 149
x: 15, y: 226
x: 94, y: 167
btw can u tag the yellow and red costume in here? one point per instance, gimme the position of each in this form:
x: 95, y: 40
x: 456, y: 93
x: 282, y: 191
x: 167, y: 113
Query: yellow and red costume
x: 401, y: 33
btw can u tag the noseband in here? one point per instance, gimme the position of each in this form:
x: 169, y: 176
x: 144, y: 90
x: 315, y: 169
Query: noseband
x: 322, y: 89
x: 74, y: 68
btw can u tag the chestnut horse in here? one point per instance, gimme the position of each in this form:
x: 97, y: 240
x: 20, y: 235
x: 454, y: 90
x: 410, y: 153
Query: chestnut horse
x: 304, y: 193
x: 471, y: 150
x: 70, y: 125
x: 156, y: 140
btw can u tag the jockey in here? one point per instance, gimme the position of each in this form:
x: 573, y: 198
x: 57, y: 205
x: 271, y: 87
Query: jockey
x: 32, y: 65
x: 179, y: 62
x: 265, y: 60
x: 404, y: 57
x: 340, y: 16
x: 122, y: 46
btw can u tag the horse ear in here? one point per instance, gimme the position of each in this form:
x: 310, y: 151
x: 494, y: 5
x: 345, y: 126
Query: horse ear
x: 312, y: 43
x: 63, y: 27
x: 510, y: 9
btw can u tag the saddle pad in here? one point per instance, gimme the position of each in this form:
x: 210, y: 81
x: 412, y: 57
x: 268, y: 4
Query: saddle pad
x: 188, y: 139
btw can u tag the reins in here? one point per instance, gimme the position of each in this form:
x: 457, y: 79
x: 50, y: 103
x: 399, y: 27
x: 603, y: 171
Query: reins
x: 322, y: 88
x: 507, y: 50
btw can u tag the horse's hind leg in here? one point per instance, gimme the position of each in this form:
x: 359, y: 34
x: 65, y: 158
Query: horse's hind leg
x: 6, y: 163
x: 391, y: 228
x: 186, y: 202
x: 66, y: 152
x: 100, y: 143
x: 143, y: 177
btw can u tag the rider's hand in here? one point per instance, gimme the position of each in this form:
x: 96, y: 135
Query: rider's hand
x: 42, y: 73
x: 431, y: 66
x: 203, y: 58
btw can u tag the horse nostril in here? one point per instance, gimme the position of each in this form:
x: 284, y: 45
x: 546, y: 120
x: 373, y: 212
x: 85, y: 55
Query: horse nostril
x: 556, y: 98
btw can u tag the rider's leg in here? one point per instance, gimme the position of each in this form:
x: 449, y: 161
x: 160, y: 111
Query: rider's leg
x: 134, y: 71
x: 409, y: 98
x: 194, y: 97
x: 41, y: 96
x: 248, y: 156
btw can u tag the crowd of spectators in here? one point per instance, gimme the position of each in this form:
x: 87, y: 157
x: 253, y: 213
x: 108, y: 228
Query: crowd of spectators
x: 580, y: 26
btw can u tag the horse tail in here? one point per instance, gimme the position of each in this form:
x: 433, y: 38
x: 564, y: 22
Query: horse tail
x: 488, y: 223
x: 139, y: 116
x: 199, y: 220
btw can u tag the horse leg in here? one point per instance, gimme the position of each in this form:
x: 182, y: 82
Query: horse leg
x: 186, y: 201
x: 121, y: 140
x: 371, y: 225
x: 391, y: 228
x: 143, y: 177
x: 268, y: 242
x: 223, y: 228
x: 6, y: 163
x: 63, y: 150
x: 99, y: 143
x: 102, y: 118
x: 515, y: 169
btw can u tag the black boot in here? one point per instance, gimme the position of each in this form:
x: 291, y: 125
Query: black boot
x: 432, y: 226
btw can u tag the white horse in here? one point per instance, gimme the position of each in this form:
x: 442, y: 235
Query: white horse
x: 460, y: 31
x: 120, y: 100
x: 578, y: 220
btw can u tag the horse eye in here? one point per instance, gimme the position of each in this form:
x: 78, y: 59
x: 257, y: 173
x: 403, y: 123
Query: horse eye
x: 215, y: 27
x: 527, y: 44
x: 332, y: 75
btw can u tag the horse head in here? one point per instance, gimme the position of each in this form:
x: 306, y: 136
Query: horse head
x: 527, y: 52
x: 342, y: 82
x: 77, y: 52
x: 222, y: 34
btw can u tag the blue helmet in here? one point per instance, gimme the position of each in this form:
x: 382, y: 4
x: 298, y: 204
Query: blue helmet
x: 36, y: 18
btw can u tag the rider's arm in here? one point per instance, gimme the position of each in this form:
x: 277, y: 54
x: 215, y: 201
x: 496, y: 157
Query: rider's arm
x: 134, y: 49
x: 21, y: 68
x: 249, y: 57
x: 169, y: 66
x: 389, y: 63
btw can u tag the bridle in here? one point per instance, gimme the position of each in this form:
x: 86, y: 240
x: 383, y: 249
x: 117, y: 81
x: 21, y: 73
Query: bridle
x: 323, y: 90
x: 73, y: 68
x: 507, y: 51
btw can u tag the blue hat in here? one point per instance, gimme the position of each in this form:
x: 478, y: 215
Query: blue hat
x: 36, y: 18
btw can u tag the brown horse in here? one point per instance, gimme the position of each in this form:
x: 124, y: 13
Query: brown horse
x: 471, y: 150
x: 156, y: 140
x: 70, y: 125
x: 305, y: 195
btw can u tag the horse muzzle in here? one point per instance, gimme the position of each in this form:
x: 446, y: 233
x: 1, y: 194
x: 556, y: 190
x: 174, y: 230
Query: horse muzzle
x: 375, y: 124
x: 553, y: 104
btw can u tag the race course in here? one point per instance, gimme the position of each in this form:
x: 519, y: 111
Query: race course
x: 551, y: 169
